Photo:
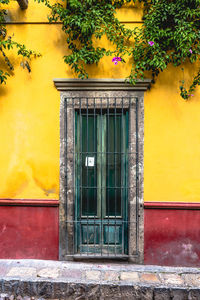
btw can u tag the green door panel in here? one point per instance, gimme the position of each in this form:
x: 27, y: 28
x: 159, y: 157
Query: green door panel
x: 101, y: 180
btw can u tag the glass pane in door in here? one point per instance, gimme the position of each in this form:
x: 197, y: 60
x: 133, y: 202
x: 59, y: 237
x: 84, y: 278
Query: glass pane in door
x: 113, y: 165
x: 89, y: 165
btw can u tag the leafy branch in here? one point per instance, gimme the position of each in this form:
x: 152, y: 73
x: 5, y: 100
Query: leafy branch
x: 169, y: 35
x: 7, y: 43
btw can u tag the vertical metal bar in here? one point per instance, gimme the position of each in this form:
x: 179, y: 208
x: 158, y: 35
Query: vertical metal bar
x: 108, y: 169
x: 115, y: 163
x: 127, y: 173
x: 122, y: 159
x: 128, y: 191
x: 81, y: 179
x: 73, y: 173
x: 101, y: 182
x: 95, y: 163
x: 77, y: 179
x: 99, y: 174
x: 87, y: 171
x: 66, y: 162
x: 137, y: 170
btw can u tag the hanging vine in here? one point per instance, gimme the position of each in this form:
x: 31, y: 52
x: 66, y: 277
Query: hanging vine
x: 7, y: 43
x: 169, y: 35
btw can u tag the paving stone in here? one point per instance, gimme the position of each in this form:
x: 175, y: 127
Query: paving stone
x: 110, y: 292
x: 111, y: 276
x: 48, y: 273
x: 194, y: 294
x: 93, y: 275
x: 93, y: 292
x: 161, y: 294
x: 45, y: 289
x: 179, y: 294
x: 59, y: 289
x: 192, y: 279
x: 21, y: 272
x: 32, y: 289
x: 136, y: 292
x: 4, y: 296
x: 146, y: 293
x: 85, y: 291
x: 129, y: 276
x: 149, y: 278
x: 173, y: 279
x: 3, y: 270
x: 4, y: 286
x: 26, y: 289
x: 73, y: 274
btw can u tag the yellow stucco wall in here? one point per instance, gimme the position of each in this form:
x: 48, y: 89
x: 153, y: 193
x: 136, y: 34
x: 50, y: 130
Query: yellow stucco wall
x: 29, y: 119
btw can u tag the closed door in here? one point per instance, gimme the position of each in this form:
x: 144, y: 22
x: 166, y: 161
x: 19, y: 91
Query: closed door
x: 101, y: 181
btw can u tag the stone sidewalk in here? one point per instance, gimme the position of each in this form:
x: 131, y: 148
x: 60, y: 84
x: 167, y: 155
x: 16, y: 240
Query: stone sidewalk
x: 40, y: 279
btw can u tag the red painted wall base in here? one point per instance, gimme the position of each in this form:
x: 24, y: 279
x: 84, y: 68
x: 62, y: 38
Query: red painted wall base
x: 172, y: 236
x: 28, y: 231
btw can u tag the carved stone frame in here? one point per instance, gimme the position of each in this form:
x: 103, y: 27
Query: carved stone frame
x: 106, y: 88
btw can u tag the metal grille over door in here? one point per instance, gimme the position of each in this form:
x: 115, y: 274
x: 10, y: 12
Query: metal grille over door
x: 99, y: 155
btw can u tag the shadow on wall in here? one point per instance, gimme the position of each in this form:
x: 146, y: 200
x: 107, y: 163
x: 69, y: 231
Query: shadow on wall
x: 171, y: 78
x: 3, y: 92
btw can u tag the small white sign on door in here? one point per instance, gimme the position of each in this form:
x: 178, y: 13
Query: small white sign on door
x: 89, y: 161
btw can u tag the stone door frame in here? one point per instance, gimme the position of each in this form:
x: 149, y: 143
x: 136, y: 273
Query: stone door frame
x: 105, y: 88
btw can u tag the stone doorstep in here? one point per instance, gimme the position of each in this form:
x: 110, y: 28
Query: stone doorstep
x: 102, y: 276
x: 58, y: 280
x: 172, y: 279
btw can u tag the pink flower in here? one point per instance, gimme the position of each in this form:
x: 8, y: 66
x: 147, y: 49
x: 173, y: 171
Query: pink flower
x: 190, y: 50
x: 116, y: 59
x: 151, y: 43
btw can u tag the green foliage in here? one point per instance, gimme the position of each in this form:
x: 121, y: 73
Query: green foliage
x: 173, y: 27
x: 7, y: 43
